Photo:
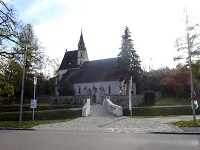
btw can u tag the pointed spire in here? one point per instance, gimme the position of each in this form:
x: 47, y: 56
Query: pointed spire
x: 81, y: 44
x: 81, y: 38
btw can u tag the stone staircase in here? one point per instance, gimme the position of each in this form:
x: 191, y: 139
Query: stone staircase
x: 100, y: 111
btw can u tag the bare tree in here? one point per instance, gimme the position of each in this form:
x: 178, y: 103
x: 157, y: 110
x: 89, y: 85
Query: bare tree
x: 8, y: 30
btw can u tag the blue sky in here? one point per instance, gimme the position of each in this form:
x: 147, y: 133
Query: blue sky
x: 154, y: 25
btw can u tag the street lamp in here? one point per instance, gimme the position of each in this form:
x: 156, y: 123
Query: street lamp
x: 190, y: 65
x: 25, y: 39
x: 191, y: 80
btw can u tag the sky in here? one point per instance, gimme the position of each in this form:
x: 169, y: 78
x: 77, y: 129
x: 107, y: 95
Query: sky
x: 154, y: 24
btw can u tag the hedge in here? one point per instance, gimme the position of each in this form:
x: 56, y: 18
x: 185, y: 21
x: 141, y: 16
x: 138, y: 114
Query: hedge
x: 15, y: 108
x: 160, y: 111
x: 39, y: 115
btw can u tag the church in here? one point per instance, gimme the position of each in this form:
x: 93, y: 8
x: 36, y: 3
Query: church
x: 94, y: 79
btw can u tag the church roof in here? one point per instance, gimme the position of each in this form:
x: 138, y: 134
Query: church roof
x: 93, y: 71
x: 69, y: 60
x: 81, y: 38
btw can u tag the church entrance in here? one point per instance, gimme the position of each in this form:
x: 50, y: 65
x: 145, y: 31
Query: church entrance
x: 94, y: 98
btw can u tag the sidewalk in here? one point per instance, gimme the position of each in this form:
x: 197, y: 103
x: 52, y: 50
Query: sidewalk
x: 100, y: 120
x: 165, y: 120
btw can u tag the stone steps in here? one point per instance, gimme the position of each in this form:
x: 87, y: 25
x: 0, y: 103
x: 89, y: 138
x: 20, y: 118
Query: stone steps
x: 99, y: 111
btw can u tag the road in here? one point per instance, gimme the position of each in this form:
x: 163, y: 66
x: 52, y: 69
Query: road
x: 59, y: 140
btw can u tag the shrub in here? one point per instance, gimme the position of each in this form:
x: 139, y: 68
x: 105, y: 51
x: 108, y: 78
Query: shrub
x: 16, y: 107
x: 160, y: 111
x: 39, y: 115
x: 150, y: 98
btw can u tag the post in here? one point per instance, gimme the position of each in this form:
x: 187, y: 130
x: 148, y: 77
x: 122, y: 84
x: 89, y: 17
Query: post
x: 34, y: 82
x: 191, y: 81
x: 130, y: 101
x: 22, y: 90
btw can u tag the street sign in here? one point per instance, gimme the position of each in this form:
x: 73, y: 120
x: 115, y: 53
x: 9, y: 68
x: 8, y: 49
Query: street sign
x: 35, y: 81
x: 33, y: 103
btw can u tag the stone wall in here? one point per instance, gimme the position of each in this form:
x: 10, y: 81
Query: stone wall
x: 77, y: 100
x: 121, y: 100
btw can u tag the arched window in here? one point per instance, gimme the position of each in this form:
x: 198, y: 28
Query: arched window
x: 79, y: 90
x: 109, y: 89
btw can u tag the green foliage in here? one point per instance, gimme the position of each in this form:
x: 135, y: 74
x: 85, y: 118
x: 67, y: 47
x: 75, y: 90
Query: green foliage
x: 15, y: 107
x: 186, y: 123
x: 6, y: 89
x: 128, y: 60
x: 35, y: 57
x: 177, y: 83
x: 66, y: 89
x: 149, y: 98
x: 39, y: 115
x: 160, y: 111
x: 51, y: 87
x: 28, y: 124
x: 169, y: 101
x: 12, y: 72
x: 151, y: 80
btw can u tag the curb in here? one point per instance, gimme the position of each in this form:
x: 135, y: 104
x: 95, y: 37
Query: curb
x: 17, y: 129
x: 193, y: 133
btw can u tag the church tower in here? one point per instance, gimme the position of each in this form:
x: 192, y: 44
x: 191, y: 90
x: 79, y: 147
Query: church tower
x: 82, y: 51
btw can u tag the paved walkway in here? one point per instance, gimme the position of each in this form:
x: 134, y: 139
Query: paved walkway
x: 100, y: 120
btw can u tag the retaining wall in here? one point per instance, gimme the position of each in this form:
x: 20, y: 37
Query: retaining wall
x: 115, y: 109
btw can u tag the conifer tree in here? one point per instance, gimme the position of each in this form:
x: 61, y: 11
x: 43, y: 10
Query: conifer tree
x: 128, y: 60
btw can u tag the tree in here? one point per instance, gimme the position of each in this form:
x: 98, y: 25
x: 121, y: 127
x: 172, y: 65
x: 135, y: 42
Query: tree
x: 128, y: 61
x: 35, y: 56
x: 8, y: 30
x: 177, y: 83
x: 6, y: 89
x: 66, y: 89
x: 181, y: 43
x: 151, y: 80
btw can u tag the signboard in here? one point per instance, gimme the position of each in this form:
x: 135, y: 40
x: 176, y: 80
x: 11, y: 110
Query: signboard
x: 33, y: 103
x: 35, y: 81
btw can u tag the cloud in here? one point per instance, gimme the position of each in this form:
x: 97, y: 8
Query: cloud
x: 154, y: 25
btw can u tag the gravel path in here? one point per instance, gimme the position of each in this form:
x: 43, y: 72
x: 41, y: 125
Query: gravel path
x: 100, y: 120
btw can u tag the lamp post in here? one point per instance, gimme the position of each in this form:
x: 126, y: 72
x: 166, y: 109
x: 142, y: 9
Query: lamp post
x: 25, y: 39
x: 190, y: 66
x: 191, y: 80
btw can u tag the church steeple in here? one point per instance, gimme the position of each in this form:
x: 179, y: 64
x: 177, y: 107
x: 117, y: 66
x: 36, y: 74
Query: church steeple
x: 81, y: 44
x: 82, y: 51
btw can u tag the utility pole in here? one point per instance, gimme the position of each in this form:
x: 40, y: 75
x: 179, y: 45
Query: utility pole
x: 190, y: 65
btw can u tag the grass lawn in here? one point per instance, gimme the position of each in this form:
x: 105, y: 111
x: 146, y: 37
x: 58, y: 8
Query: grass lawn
x: 28, y: 124
x: 186, y: 123
x: 169, y: 101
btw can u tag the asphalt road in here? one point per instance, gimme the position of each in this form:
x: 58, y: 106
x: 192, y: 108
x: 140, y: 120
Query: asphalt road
x: 57, y: 140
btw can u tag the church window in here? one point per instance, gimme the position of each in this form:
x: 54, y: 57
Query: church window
x: 79, y: 90
x: 109, y: 89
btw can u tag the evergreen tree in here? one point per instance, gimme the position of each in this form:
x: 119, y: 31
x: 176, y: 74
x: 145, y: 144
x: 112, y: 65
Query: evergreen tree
x: 128, y: 60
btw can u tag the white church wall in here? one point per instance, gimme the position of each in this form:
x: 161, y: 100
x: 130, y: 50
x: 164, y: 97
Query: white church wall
x: 110, y: 87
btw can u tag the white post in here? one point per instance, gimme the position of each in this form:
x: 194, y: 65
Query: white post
x: 34, y: 82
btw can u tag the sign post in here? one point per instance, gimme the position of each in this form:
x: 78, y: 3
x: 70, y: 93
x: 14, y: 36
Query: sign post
x: 34, y: 101
x: 33, y: 105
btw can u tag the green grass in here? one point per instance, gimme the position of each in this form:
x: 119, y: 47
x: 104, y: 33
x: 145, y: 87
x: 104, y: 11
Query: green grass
x: 144, y: 117
x: 169, y: 101
x: 186, y: 123
x: 160, y: 111
x: 28, y: 124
